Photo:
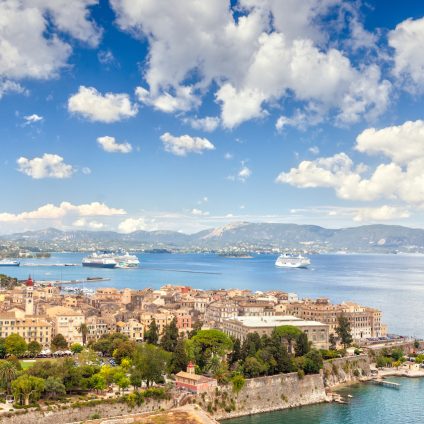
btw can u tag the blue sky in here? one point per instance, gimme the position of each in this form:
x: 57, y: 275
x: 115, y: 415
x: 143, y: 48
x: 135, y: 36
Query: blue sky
x: 142, y: 114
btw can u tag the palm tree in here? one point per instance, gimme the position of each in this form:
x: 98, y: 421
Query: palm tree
x: 83, y: 329
x: 8, y: 373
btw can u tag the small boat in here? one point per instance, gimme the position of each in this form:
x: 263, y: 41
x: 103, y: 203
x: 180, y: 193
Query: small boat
x: 6, y: 262
x: 291, y: 261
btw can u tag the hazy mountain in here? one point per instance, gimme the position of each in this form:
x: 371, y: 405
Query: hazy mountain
x: 243, y: 234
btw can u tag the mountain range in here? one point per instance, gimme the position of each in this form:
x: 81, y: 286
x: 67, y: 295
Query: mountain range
x: 242, y: 235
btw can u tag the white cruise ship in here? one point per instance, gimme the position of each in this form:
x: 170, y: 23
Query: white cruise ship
x: 126, y: 260
x: 291, y: 261
x: 111, y: 260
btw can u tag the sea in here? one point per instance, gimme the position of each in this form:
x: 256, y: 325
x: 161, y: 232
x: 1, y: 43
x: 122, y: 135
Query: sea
x: 392, y: 283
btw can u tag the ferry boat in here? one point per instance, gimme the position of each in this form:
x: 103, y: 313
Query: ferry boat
x: 291, y: 261
x: 7, y: 262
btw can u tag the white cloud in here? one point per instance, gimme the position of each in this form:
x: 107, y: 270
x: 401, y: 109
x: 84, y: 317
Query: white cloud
x: 184, y: 144
x: 274, y: 50
x: 208, y: 124
x: 198, y: 212
x: 382, y: 213
x: 86, y: 171
x: 92, y: 225
x: 407, y: 39
x: 94, y: 106
x: 401, y: 179
x: 228, y: 156
x: 30, y: 33
x: 314, y: 150
x: 7, y: 86
x: 244, y: 173
x: 106, y: 57
x: 30, y: 119
x: 64, y: 209
x: 401, y: 143
x: 47, y: 166
x: 130, y: 225
x: 109, y: 144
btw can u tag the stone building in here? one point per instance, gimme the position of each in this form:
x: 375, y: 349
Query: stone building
x: 219, y: 311
x: 193, y: 382
x: 66, y: 321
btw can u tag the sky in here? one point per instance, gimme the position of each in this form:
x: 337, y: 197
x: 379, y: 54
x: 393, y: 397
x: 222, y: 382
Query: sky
x: 183, y: 115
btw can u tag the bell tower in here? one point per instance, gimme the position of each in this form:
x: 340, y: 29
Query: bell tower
x: 29, y: 300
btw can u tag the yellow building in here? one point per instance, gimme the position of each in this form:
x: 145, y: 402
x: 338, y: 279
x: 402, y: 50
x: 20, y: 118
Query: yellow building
x: 66, y: 321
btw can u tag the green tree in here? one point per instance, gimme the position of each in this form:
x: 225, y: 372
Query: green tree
x: 58, y: 343
x: 397, y: 354
x: 238, y: 383
x: 287, y: 333
x: 27, y: 388
x: 179, y: 359
x: 3, y: 351
x: 170, y: 336
x: 125, y: 349
x: 302, y: 344
x: 196, y: 327
x: 333, y: 341
x: 108, y: 343
x: 54, y: 387
x: 343, y: 331
x: 235, y: 355
x: 76, y: 348
x: 8, y: 373
x: 252, y: 367
x: 152, y: 334
x: 83, y: 329
x: 15, y: 345
x: 34, y: 348
x: 312, y: 362
x: 108, y: 374
x: 208, y: 343
x: 252, y: 343
x: 150, y: 362
x: 98, y: 382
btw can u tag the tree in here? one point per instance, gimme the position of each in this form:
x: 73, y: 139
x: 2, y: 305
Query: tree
x: 27, y: 388
x: 196, y: 327
x: 333, y: 341
x: 253, y: 367
x: 124, y: 349
x: 343, y: 331
x: 150, y: 362
x: 397, y: 354
x: 238, y: 383
x: 179, y: 359
x: 236, y: 352
x: 209, y: 343
x: 54, y: 387
x: 15, y: 345
x: 108, y: 343
x: 76, y: 348
x: 170, y: 336
x: 2, y: 348
x: 312, y: 362
x: 252, y: 343
x: 8, y: 373
x: 152, y: 334
x: 289, y: 333
x: 302, y: 344
x: 58, y: 343
x: 34, y: 348
x: 98, y: 382
x: 83, y: 329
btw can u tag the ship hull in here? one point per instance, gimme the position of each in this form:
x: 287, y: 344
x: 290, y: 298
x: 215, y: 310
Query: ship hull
x: 99, y: 265
x: 10, y: 264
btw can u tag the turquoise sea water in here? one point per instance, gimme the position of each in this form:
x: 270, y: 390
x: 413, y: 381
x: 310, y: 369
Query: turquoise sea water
x: 370, y: 405
x: 392, y: 283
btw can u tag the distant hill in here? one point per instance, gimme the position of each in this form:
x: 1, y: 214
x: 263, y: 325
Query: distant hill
x: 245, y: 235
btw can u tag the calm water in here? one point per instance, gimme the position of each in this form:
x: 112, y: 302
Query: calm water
x: 392, y: 283
x: 370, y: 404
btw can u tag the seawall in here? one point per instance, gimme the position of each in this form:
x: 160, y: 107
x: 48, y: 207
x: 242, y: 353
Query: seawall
x: 344, y: 371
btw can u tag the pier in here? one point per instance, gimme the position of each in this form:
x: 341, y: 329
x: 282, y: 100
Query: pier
x: 63, y: 282
x: 386, y: 383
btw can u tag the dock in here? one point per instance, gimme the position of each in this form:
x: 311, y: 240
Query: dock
x: 386, y: 383
x: 63, y: 282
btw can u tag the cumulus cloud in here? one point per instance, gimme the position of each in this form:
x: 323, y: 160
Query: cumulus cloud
x: 130, y: 225
x: 64, y: 209
x: 407, y: 40
x: 199, y: 212
x: 31, y: 119
x: 272, y: 51
x: 47, y: 166
x: 244, y: 173
x: 94, y: 106
x: 109, y: 144
x: 8, y: 86
x: 31, y: 36
x: 184, y: 144
x: 208, y: 124
x: 401, y: 179
x: 382, y: 213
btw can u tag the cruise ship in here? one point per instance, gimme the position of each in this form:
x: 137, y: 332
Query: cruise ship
x: 7, y: 262
x: 111, y: 260
x: 291, y: 261
x: 97, y: 260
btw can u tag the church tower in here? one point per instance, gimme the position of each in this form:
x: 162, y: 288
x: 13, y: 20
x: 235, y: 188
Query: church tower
x: 29, y: 300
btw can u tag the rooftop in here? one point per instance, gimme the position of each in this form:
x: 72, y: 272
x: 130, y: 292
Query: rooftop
x: 274, y: 321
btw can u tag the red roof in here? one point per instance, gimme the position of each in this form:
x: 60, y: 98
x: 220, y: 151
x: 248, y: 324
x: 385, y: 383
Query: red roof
x: 29, y: 282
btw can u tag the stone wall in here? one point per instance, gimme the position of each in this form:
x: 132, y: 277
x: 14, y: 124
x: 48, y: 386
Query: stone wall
x: 82, y: 413
x: 347, y: 370
x: 264, y: 394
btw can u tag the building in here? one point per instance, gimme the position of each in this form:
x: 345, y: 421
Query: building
x: 133, y: 329
x: 240, y: 327
x: 194, y: 383
x: 29, y: 298
x: 31, y: 328
x: 256, y: 309
x: 161, y: 319
x: 218, y: 311
x: 66, y: 321
x: 364, y: 322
